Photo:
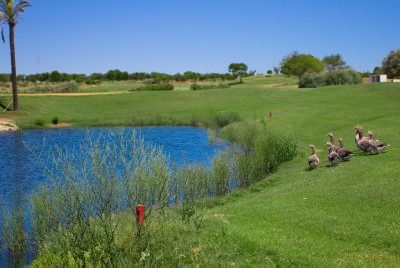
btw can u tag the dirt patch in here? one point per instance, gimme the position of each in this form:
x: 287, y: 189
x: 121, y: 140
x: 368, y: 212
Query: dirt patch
x: 60, y: 125
x: 7, y: 124
x: 72, y: 94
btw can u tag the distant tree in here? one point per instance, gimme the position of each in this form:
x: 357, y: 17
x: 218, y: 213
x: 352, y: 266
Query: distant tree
x: 238, y: 70
x: 276, y: 70
x: 112, y: 75
x: 377, y: 70
x: 334, y: 62
x: 160, y: 77
x: 391, y: 64
x: 4, y: 78
x: 55, y: 76
x: 269, y: 72
x: 79, y: 78
x: 9, y: 14
x: 189, y: 75
x: 299, y: 64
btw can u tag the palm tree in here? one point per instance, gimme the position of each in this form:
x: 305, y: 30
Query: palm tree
x: 9, y: 14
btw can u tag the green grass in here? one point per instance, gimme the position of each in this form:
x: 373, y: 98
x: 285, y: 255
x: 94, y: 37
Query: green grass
x: 342, y: 216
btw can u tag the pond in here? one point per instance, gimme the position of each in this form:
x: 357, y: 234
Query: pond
x: 20, y: 171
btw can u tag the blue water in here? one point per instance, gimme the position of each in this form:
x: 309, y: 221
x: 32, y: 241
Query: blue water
x: 22, y: 153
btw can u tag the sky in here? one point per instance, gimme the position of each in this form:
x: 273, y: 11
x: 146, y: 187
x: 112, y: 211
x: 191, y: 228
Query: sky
x: 205, y: 36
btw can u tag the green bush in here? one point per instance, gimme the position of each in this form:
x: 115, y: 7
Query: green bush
x: 312, y: 80
x: 339, y: 77
x: 54, y: 120
x: 65, y: 87
x: 196, y: 86
x: 93, y: 82
x: 154, y: 87
x: 39, y: 122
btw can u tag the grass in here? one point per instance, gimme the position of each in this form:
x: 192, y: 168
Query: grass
x: 341, y: 216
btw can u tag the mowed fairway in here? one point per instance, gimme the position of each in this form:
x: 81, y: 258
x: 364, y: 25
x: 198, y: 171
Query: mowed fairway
x: 345, y: 215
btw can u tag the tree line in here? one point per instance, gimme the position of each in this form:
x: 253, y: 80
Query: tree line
x: 118, y: 75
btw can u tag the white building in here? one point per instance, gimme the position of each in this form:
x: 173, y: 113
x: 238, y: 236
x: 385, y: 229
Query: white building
x: 378, y: 78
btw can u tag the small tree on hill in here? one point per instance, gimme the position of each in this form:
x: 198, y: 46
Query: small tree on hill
x: 299, y: 64
x: 238, y: 70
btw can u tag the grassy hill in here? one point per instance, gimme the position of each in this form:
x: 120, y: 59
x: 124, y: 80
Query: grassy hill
x: 345, y: 215
x: 332, y: 216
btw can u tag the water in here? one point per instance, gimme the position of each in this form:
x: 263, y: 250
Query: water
x: 21, y: 172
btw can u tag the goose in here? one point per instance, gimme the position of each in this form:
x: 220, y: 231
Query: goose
x: 313, y: 159
x: 330, y: 135
x: 333, y: 156
x: 362, y: 142
x: 345, y: 155
x: 377, y: 146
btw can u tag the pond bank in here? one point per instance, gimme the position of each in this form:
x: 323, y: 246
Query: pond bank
x: 7, y: 124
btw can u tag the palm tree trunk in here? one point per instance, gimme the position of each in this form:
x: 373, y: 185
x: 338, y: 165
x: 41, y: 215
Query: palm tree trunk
x: 13, y: 70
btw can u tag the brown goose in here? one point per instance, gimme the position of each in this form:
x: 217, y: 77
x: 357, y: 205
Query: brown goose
x: 345, y: 155
x: 313, y: 159
x: 330, y: 135
x: 362, y: 142
x: 377, y: 146
x: 333, y: 155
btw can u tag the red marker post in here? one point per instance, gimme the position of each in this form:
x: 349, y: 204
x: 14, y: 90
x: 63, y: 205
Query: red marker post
x: 140, y: 214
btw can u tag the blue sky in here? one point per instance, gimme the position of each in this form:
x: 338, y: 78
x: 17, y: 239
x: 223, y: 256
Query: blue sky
x: 171, y: 36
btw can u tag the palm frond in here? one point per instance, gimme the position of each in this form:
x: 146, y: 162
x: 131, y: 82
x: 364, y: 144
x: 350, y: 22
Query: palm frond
x: 19, y: 7
x: 2, y: 34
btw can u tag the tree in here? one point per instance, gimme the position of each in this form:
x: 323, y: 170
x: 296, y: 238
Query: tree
x: 299, y: 64
x: 55, y: 77
x: 269, y: 72
x: 112, y: 75
x: 189, y: 75
x: 334, y: 62
x: 238, y: 70
x: 377, y: 70
x: 9, y: 14
x: 391, y: 64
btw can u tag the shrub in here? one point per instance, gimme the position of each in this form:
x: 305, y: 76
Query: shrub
x: 39, y: 122
x: 154, y: 87
x: 338, y: 77
x: 196, y: 86
x: 54, y: 120
x: 311, y: 80
x: 93, y: 82
x: 67, y: 87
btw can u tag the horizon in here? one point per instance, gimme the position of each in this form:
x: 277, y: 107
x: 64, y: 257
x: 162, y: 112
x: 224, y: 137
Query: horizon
x: 200, y: 36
